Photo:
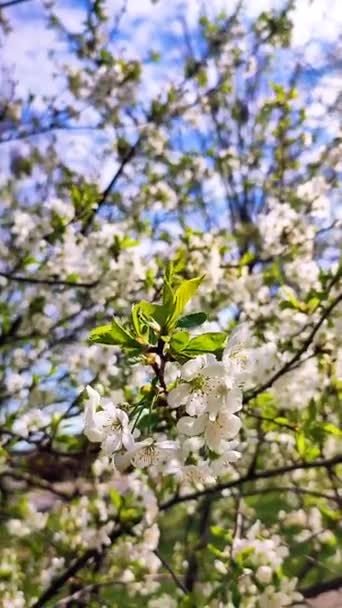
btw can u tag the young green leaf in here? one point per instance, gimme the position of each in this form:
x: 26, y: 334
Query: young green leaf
x: 113, y: 334
x: 179, y: 341
x: 194, y: 319
x: 206, y: 343
x: 182, y: 296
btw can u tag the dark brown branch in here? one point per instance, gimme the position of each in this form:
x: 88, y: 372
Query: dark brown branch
x: 171, y: 572
x: 126, y: 159
x: 35, y: 482
x: 41, y: 281
x: 293, y: 489
x: 268, y: 474
x: 77, y: 565
x: 193, y: 560
x: 318, y: 588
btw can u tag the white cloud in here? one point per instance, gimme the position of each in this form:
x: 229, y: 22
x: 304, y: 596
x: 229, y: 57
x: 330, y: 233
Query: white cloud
x: 317, y: 19
x: 146, y: 26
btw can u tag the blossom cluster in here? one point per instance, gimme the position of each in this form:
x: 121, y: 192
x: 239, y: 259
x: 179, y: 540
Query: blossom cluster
x: 207, y: 395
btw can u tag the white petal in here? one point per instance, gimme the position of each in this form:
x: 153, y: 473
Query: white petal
x: 93, y: 435
x: 117, y: 396
x: 171, y: 372
x: 178, y: 395
x: 232, y: 426
x: 122, y: 416
x: 122, y: 460
x: 93, y: 428
x: 198, y: 475
x: 197, y: 404
x: 214, y: 405
x: 231, y: 445
x: 127, y: 440
x: 192, y: 444
x: 238, y: 339
x: 233, y: 401
x: 93, y: 396
x: 232, y: 456
x: 167, y: 444
x: 209, y: 359
x: 192, y: 368
x: 111, y: 444
x: 215, y: 370
x: 191, y: 426
x: 145, y: 458
x: 213, y: 436
x: 221, y: 464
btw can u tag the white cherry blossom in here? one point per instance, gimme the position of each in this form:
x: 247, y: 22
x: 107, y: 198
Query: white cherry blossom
x: 92, y: 427
x: 205, y: 387
x: 216, y: 432
x: 229, y: 456
x: 197, y: 475
x: 110, y: 426
x: 236, y: 356
x: 30, y: 422
x: 146, y: 453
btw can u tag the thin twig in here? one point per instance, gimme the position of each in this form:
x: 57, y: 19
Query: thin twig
x: 296, y: 357
x: 171, y: 572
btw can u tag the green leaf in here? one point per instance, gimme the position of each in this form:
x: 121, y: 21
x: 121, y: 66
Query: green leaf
x: 148, y: 319
x: 243, y: 556
x: 182, y: 296
x: 115, y: 499
x: 73, y: 277
x: 206, y: 343
x: 292, y: 302
x: 113, y: 334
x: 216, y: 551
x: 313, y: 304
x: 330, y: 428
x: 301, y: 444
x: 192, y: 320
x: 179, y: 341
x: 168, y: 295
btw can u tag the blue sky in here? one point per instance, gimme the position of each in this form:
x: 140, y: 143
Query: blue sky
x: 149, y: 26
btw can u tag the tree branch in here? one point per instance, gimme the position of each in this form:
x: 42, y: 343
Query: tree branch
x: 79, y: 563
x: 193, y: 561
x: 171, y: 572
x: 251, y: 477
x: 38, y: 281
x: 126, y: 159
x: 318, y: 588
x: 296, y: 357
x: 293, y: 489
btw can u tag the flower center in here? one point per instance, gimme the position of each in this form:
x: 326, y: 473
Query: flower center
x: 114, y: 425
x: 198, y: 383
x: 208, y: 386
x: 146, y: 456
x: 117, y: 425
